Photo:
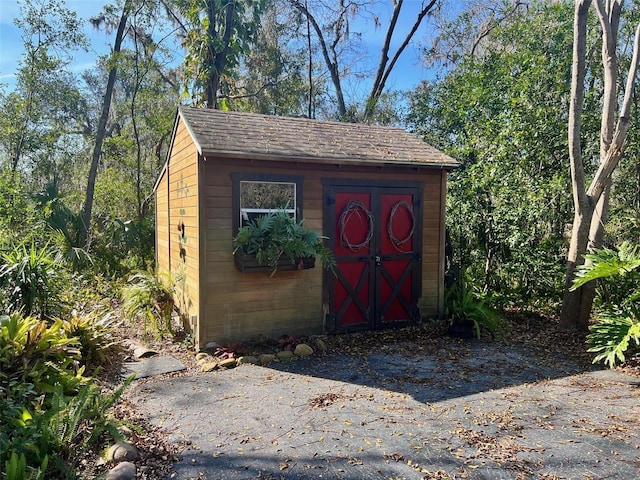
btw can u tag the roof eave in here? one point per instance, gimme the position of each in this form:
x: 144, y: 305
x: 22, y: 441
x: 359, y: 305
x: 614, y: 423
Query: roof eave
x: 327, y: 160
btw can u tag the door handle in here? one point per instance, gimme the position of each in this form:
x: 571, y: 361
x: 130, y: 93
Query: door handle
x: 378, y: 260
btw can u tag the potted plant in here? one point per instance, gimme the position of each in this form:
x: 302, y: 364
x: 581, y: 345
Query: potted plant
x: 467, y: 312
x: 277, y: 241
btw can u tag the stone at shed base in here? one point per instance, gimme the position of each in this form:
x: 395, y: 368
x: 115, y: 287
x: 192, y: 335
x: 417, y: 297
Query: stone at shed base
x: 285, y: 355
x: 203, y: 357
x: 303, y: 350
x: 228, y: 363
x: 321, y: 347
x: 208, y: 366
x: 248, y: 359
x: 122, y: 471
x: 122, y: 451
x: 266, y: 358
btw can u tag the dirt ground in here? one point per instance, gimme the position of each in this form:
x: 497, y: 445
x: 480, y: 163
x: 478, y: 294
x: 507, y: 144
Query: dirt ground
x: 406, y: 404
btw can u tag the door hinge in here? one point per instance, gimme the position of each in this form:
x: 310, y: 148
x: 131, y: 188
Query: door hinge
x: 331, y: 201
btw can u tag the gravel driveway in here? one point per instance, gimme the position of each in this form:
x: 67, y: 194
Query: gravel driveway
x: 494, y: 411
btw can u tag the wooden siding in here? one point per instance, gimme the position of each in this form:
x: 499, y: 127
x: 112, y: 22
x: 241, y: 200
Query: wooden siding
x: 162, y: 223
x: 177, y: 200
x: 239, y: 306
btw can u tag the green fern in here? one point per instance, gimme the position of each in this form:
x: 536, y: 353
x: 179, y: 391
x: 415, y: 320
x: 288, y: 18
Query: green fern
x: 150, y: 298
x: 606, y: 263
x: 275, y: 235
x: 617, y: 320
x: 16, y: 468
x: 613, y: 334
x: 462, y: 303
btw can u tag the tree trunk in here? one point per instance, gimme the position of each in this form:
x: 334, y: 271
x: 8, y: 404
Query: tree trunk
x: 591, y: 205
x: 331, y: 64
x: 102, y: 127
x: 572, y: 305
x: 576, y: 310
x: 217, y: 61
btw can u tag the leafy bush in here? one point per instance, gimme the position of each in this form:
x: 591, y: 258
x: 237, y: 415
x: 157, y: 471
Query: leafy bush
x: 121, y: 246
x: 32, y: 281
x: 462, y: 304
x: 47, y: 440
x: 276, y: 234
x: 617, y: 315
x: 35, y: 353
x: 150, y: 299
x: 49, y: 407
x: 96, y: 336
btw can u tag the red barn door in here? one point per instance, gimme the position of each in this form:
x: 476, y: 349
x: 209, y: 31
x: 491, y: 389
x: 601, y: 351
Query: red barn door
x: 375, y: 235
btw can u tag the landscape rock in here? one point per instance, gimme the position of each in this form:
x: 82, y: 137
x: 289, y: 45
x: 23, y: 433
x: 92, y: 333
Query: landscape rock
x: 212, y: 346
x: 248, y: 359
x: 122, y: 471
x: 228, y: 363
x: 267, y: 358
x: 209, y: 366
x: 285, y: 355
x: 122, y: 451
x: 321, y: 347
x: 203, y: 357
x: 303, y: 350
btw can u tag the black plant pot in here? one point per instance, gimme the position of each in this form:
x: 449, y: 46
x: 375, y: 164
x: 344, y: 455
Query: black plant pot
x: 462, y: 329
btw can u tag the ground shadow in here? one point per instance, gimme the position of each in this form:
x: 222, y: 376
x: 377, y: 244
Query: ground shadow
x: 448, y: 368
x: 431, y: 408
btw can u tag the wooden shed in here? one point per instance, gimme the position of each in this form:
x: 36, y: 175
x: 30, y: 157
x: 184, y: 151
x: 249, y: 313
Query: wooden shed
x: 377, y: 193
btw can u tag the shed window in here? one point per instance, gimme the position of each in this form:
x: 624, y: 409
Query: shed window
x: 258, y: 198
x: 257, y: 195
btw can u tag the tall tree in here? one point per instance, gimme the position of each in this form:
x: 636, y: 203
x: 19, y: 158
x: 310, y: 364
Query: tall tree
x: 102, y: 122
x: 271, y: 77
x: 216, y: 34
x: 468, y: 33
x: 591, y: 203
x: 497, y: 112
x: 333, y: 27
x: 45, y: 98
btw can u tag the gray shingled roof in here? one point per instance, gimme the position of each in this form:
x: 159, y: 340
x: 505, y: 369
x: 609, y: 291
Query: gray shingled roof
x: 250, y: 135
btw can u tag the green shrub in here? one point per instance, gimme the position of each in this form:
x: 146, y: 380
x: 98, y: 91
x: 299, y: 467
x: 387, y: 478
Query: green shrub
x: 26, y: 446
x: 51, y: 440
x: 121, y: 246
x: 96, y: 337
x: 276, y: 234
x: 50, y: 409
x: 616, y: 327
x: 16, y: 468
x: 34, y: 352
x: 150, y: 299
x: 461, y: 303
x: 32, y: 280
x: 82, y: 419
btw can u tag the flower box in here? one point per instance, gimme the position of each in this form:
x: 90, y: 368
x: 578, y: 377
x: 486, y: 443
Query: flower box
x: 247, y: 263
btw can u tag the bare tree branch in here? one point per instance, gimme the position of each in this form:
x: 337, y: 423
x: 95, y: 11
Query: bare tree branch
x: 385, y: 70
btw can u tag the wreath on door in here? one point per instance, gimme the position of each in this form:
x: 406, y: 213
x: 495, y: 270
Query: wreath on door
x: 399, y: 242
x: 357, y: 208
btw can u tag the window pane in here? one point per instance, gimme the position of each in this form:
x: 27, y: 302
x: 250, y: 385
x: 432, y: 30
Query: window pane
x: 258, y: 198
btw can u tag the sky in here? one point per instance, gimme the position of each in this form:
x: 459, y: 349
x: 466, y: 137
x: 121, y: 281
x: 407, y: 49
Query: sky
x: 11, y: 45
x: 408, y: 72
